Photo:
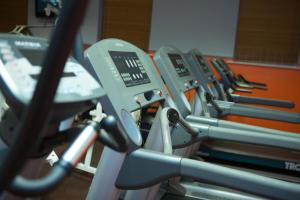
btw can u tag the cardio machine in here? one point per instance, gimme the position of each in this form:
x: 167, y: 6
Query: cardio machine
x: 211, y: 85
x: 217, y: 108
x: 131, y: 81
x: 21, y: 64
x: 230, y: 78
x: 177, y: 75
x: 31, y: 125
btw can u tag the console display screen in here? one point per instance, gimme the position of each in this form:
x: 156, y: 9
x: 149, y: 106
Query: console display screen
x: 34, y: 56
x: 130, y: 68
x: 64, y: 75
x: 202, y: 63
x: 177, y: 62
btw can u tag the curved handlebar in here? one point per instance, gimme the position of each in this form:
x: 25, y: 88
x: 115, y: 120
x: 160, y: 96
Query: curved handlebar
x: 26, y: 187
x: 175, y: 118
x: 117, y: 139
x: 210, y: 99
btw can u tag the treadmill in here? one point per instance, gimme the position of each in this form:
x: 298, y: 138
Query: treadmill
x: 211, y: 85
x: 222, y: 108
x: 237, y: 80
x: 178, y: 77
x: 131, y: 81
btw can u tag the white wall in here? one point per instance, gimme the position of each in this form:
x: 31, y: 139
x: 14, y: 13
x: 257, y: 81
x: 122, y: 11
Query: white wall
x: 209, y: 25
x: 91, y: 27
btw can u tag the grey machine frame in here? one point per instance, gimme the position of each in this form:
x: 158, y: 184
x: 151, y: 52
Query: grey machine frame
x: 144, y: 167
x: 211, y: 84
x: 200, y: 114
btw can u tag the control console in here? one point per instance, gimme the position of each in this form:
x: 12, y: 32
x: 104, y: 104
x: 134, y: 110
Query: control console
x: 177, y: 75
x: 21, y: 61
x: 129, y: 78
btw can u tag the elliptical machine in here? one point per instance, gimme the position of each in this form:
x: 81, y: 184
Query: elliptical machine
x: 30, y: 126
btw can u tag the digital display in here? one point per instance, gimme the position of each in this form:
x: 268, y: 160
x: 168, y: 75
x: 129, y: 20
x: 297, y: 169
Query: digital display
x: 177, y: 62
x: 130, y: 68
x: 34, y: 56
x: 202, y: 63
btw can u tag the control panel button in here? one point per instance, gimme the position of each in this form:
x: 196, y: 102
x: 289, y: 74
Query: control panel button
x: 138, y: 100
x: 160, y: 93
x: 6, y: 50
x: 8, y: 57
x: 148, y: 95
x: 3, y: 44
x: 186, y: 85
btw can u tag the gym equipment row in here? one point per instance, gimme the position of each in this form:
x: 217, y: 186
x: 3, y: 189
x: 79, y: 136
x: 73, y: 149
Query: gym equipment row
x: 227, y: 103
x: 213, y: 86
x: 232, y: 80
x: 121, y: 78
x: 171, y: 72
x: 141, y: 168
